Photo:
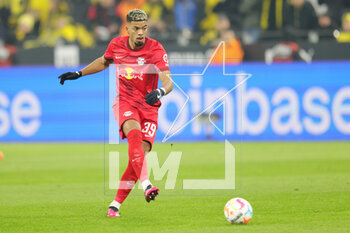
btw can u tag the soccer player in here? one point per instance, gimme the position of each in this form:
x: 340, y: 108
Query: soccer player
x: 137, y: 107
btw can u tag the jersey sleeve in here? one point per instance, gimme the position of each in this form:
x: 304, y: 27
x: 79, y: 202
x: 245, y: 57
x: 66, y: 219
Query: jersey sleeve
x: 161, y: 58
x: 109, y: 52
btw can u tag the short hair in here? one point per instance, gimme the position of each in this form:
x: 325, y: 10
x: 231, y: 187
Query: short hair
x: 136, y: 15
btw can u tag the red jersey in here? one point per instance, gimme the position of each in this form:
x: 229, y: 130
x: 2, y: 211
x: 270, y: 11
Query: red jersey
x: 137, y: 70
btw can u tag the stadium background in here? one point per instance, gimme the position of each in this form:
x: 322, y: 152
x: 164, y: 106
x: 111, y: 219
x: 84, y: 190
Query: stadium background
x: 290, y: 123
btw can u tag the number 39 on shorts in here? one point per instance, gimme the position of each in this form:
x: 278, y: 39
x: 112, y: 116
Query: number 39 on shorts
x: 149, y: 129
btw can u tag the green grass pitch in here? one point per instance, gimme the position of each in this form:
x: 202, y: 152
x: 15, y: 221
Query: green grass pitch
x: 293, y: 187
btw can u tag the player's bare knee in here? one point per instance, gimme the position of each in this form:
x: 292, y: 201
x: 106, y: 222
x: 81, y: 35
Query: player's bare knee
x: 146, y: 147
x: 129, y: 125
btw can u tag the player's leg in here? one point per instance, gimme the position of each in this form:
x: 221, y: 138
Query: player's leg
x: 149, y: 128
x: 129, y: 177
x: 127, y: 183
x: 132, y: 130
x: 136, y: 169
x: 151, y: 192
x: 127, y: 118
x: 146, y: 147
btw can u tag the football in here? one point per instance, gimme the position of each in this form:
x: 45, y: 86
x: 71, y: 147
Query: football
x: 238, y: 211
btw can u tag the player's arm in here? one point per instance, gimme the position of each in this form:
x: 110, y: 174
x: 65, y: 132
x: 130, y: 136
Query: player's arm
x: 167, y: 82
x: 98, y: 65
x: 167, y: 86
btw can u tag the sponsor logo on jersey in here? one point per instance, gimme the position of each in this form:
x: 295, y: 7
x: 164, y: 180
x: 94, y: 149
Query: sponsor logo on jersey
x: 141, y: 61
x: 130, y: 73
x: 128, y: 113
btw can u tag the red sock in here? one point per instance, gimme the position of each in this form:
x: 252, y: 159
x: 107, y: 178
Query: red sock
x: 127, y: 182
x: 136, y: 155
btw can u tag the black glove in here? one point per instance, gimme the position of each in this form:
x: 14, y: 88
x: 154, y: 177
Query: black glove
x: 154, y: 96
x: 69, y: 76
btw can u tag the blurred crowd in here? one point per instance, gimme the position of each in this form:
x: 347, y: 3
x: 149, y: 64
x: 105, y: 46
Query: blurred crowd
x: 37, y: 23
